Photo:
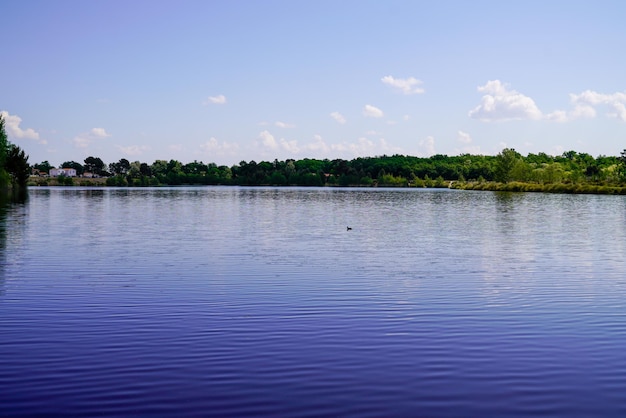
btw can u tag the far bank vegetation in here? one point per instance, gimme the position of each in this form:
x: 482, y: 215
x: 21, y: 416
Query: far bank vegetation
x: 570, y: 172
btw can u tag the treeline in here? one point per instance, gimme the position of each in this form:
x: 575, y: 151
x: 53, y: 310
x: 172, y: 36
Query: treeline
x: 396, y: 171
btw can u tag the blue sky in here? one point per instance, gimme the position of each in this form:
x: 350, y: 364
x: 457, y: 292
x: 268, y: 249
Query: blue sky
x: 225, y: 81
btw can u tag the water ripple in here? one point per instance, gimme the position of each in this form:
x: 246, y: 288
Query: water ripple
x: 253, y: 302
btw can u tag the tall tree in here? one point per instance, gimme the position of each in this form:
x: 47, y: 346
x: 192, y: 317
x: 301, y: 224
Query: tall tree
x: 120, y: 167
x: 144, y: 169
x: 76, y: 166
x: 4, y: 149
x: 17, y: 166
x: 43, y: 166
x: 94, y: 165
x: 505, y: 161
x: 622, y: 168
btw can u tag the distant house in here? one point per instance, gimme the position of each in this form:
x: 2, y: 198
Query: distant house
x: 38, y: 173
x: 67, y: 172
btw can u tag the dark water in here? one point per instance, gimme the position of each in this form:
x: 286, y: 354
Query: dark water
x: 249, y: 302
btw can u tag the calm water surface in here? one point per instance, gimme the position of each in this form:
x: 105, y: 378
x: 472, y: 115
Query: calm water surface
x: 258, y: 301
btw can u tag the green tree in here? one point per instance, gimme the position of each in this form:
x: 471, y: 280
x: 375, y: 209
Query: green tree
x: 622, y: 165
x: 43, y: 167
x: 94, y: 165
x: 120, y: 167
x: 144, y: 169
x: 520, y: 171
x: 76, y: 166
x: 4, y: 149
x: 505, y: 162
x: 17, y: 166
x: 135, y: 169
x: 159, y: 167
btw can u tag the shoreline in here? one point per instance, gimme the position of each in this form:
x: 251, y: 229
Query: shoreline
x: 513, y: 187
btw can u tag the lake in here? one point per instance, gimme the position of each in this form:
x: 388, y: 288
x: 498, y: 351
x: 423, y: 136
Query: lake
x: 233, y: 301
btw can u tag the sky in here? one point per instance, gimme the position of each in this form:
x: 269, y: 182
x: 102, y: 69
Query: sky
x: 230, y: 81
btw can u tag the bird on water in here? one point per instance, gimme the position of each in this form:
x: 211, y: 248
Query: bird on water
x: 348, y: 228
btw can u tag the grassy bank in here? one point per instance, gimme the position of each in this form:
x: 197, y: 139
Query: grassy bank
x: 66, y: 181
x: 515, y: 186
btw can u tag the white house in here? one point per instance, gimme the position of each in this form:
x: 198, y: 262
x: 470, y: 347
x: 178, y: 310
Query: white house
x: 67, y: 172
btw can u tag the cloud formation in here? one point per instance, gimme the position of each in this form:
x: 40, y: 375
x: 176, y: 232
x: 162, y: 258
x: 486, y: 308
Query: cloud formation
x: 464, y: 137
x: 427, y: 146
x: 12, y: 126
x: 405, y: 85
x: 585, y: 103
x: 267, y: 141
x: 319, y: 148
x: 284, y: 125
x: 338, y: 117
x: 133, y: 150
x: 468, y: 147
x: 372, y: 112
x: 85, y: 139
x: 500, y: 103
x: 215, y: 147
x: 221, y: 99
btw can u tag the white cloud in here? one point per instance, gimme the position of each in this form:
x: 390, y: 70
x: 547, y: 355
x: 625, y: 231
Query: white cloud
x: 12, y: 126
x: 318, y: 145
x: 583, y: 111
x: 362, y: 146
x: 338, y: 117
x: 133, y: 150
x: 289, y: 146
x: 558, y: 116
x: 215, y: 147
x: 464, y: 137
x: 372, y: 112
x: 99, y: 133
x: 267, y: 140
x: 583, y: 108
x: 586, y: 101
x: 467, y: 148
x: 427, y: 146
x: 405, y: 85
x: 502, y: 103
x: 221, y: 99
x: 284, y: 125
x: 365, y: 147
x: 85, y: 139
x: 585, y: 105
x: 387, y: 148
x: 319, y: 148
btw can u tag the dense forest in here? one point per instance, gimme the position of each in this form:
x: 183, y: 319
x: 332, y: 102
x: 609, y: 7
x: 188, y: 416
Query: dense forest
x: 509, y: 170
